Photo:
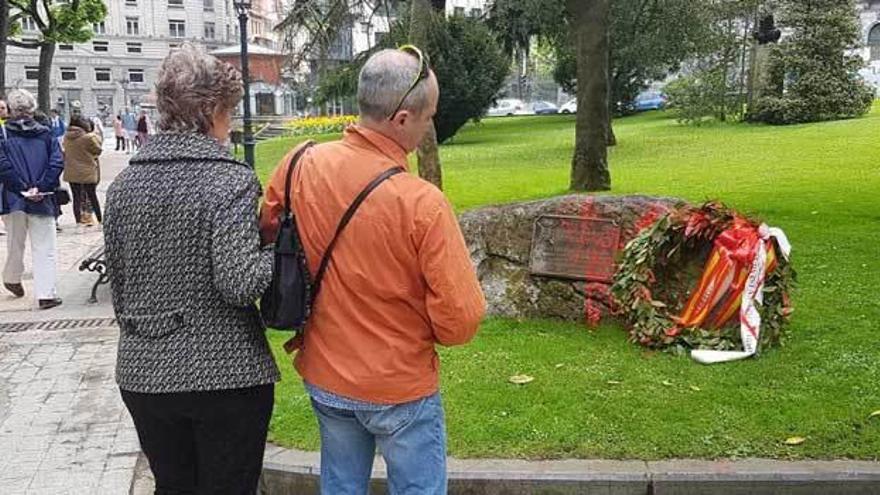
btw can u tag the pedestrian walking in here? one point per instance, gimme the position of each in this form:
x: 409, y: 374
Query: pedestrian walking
x: 129, y: 123
x: 119, y: 132
x: 57, y: 123
x: 82, y: 170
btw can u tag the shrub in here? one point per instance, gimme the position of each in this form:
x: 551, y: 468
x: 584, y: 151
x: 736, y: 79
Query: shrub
x: 319, y: 125
x: 816, y: 66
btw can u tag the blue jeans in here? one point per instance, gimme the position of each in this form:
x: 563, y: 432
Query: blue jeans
x: 411, y: 436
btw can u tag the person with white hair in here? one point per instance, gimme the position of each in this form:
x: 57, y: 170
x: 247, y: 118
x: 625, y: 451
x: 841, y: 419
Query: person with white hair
x: 30, y: 167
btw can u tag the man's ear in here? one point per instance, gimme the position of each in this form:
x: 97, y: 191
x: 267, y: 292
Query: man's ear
x: 400, y: 117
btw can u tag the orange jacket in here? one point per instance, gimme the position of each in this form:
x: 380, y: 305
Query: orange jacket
x: 400, y: 279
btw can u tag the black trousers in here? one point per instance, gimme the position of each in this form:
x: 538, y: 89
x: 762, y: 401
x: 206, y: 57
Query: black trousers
x: 204, y: 442
x: 85, y: 194
x: 120, y: 143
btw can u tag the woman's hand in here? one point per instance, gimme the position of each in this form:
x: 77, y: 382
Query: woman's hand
x: 33, y: 194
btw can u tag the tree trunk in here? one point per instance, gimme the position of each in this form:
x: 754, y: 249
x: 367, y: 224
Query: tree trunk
x: 4, y: 34
x: 589, y: 166
x: 44, y: 98
x: 428, y: 152
x: 612, y: 139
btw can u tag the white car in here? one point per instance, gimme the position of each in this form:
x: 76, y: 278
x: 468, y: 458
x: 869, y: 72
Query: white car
x: 571, y: 106
x: 507, y: 106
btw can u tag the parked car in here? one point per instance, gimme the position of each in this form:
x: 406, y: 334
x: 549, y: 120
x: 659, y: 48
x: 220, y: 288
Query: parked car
x: 543, y: 108
x: 506, y: 106
x: 571, y: 106
x: 649, y: 100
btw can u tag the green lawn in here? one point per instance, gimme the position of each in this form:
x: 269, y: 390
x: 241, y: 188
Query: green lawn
x: 820, y: 183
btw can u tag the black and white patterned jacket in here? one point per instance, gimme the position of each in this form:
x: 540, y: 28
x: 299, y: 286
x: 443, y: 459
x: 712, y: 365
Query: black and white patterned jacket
x: 183, y: 251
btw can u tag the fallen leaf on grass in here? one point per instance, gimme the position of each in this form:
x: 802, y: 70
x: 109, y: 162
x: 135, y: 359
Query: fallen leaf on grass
x: 666, y: 383
x: 795, y: 440
x: 613, y: 382
x: 874, y: 414
x: 695, y: 388
x: 560, y: 365
x: 521, y: 379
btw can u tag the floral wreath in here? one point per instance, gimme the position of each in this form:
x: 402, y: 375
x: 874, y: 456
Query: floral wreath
x: 747, y: 274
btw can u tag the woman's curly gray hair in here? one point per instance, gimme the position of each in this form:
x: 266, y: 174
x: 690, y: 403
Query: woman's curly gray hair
x: 192, y: 85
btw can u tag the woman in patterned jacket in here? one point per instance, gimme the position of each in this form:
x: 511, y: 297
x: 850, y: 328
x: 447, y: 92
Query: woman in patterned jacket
x: 186, y: 266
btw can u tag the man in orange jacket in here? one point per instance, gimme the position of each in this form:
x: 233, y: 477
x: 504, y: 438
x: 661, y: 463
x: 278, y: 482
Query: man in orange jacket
x: 400, y: 281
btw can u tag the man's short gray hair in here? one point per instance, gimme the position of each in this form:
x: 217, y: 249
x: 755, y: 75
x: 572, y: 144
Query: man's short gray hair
x: 384, y: 79
x: 21, y: 102
x: 192, y: 85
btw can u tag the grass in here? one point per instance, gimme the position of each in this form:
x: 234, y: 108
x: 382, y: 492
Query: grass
x: 819, y: 182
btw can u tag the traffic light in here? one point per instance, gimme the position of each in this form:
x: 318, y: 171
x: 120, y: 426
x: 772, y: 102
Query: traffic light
x: 767, y: 31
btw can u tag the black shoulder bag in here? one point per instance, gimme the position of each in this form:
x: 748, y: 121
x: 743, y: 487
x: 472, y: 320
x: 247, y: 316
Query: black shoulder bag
x: 288, y: 301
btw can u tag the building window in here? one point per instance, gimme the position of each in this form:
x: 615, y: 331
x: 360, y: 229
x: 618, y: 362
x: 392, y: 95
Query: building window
x: 28, y: 24
x: 211, y: 48
x: 209, y: 5
x: 209, y: 30
x: 66, y: 48
x: 136, y: 75
x: 476, y: 13
x: 173, y: 46
x: 131, y: 3
x: 379, y: 35
x: 133, y: 47
x: 102, y: 74
x: 100, y: 46
x: 68, y: 73
x: 459, y: 11
x: 177, y: 4
x: 177, y: 29
x: 874, y: 42
x: 31, y: 73
x: 132, y: 26
x: 99, y: 28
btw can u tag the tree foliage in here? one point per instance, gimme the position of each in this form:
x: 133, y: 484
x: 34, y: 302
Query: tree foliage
x: 648, y: 39
x: 815, y: 65
x: 468, y: 61
x: 58, y: 22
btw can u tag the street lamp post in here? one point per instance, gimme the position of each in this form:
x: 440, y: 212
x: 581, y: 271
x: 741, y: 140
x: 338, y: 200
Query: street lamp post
x: 242, y: 7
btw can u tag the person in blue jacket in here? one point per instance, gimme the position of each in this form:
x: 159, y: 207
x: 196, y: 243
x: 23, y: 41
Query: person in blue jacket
x: 58, y: 127
x: 30, y: 167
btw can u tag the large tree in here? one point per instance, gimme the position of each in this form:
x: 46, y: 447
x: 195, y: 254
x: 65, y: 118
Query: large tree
x: 422, y: 13
x: 58, y: 22
x: 584, y: 24
x: 589, y: 166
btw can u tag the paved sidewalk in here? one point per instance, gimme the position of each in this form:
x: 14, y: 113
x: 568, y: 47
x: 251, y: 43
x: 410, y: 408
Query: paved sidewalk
x: 63, y: 426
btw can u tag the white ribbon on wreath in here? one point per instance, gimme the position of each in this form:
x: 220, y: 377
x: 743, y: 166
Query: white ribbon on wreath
x: 753, y: 294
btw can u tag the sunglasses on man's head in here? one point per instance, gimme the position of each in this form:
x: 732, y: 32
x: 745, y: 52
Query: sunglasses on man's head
x: 422, y: 74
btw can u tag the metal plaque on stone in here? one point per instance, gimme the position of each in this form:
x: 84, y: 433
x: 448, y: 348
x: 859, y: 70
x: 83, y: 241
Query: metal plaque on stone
x: 574, y: 248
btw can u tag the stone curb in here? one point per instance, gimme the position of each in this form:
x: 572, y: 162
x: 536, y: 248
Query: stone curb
x: 288, y: 471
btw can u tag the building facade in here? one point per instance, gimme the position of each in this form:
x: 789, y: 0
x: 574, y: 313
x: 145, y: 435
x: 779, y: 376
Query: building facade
x: 118, y: 67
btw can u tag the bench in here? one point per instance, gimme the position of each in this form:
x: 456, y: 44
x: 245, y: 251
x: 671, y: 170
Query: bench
x: 95, y: 262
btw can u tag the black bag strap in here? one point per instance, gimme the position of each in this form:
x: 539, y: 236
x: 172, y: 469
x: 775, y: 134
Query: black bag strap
x: 344, y: 221
x: 293, y: 161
